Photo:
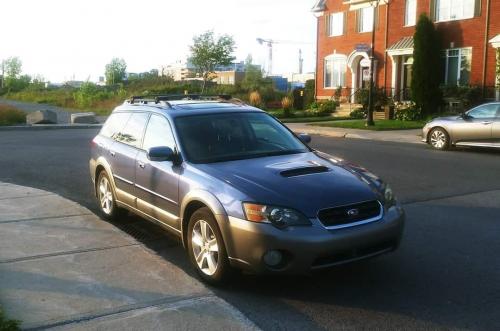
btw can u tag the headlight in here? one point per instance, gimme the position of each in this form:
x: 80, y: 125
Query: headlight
x: 389, y: 198
x: 278, y: 216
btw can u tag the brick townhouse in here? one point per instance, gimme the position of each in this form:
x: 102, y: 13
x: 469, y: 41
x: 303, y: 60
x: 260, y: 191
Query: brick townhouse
x: 470, y: 31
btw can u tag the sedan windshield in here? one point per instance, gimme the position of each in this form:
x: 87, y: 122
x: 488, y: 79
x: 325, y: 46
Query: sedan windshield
x: 234, y: 136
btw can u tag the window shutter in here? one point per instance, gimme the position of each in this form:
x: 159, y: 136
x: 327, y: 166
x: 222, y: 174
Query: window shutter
x: 433, y: 10
x: 357, y: 20
x: 345, y: 22
x: 477, y: 8
x: 376, y: 16
x: 327, y: 25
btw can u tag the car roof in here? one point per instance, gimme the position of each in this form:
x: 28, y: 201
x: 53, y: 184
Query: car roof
x: 187, y: 107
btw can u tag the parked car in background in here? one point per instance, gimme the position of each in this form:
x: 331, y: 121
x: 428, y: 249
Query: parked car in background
x: 479, y: 127
x: 239, y: 188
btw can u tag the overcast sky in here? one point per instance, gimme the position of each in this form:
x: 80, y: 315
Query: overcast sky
x: 66, y: 39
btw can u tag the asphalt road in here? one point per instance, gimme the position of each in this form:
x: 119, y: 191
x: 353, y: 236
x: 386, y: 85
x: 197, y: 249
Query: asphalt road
x: 446, y: 274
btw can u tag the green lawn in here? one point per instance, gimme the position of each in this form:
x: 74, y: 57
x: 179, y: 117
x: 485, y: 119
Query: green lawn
x: 380, y: 125
x: 311, y: 119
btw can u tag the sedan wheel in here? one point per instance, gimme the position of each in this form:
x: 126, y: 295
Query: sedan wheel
x: 439, y: 139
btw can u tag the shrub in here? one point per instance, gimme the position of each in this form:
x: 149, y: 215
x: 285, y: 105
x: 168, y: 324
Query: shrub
x: 380, y: 98
x: 338, y: 93
x: 469, y: 96
x: 358, y: 113
x: 255, y: 99
x: 309, y: 90
x: 328, y: 107
x: 323, y: 108
x: 287, y: 104
x: 10, y: 115
x: 407, y: 111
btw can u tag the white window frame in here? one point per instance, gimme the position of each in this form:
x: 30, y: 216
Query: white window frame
x: 453, y: 5
x: 340, y: 80
x: 336, y: 24
x: 459, y: 64
x: 411, y: 13
x: 361, y: 18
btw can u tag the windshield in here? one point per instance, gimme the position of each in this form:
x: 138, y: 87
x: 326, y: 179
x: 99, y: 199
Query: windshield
x: 234, y: 136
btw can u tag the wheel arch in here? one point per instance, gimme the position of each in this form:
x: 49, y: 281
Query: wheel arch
x: 445, y: 129
x: 195, y: 200
x: 102, y: 165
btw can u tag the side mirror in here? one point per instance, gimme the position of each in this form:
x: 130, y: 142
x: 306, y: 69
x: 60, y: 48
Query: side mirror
x: 465, y: 116
x: 160, y: 154
x: 305, y: 138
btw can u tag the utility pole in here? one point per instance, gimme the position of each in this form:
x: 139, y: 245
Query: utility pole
x: 2, y: 81
x: 371, y: 97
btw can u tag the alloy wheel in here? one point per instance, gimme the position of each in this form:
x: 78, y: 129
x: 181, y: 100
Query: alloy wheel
x: 438, y: 139
x: 105, y: 196
x: 205, y: 247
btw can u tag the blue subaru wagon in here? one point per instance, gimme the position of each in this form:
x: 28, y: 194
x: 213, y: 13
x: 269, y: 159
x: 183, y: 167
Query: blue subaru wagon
x: 239, y: 188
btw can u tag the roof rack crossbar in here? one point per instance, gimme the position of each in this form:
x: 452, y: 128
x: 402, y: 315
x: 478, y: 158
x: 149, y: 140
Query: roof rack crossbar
x: 172, y: 97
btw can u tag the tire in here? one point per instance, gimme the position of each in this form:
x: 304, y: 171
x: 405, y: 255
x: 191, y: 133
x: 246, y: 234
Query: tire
x: 439, y: 139
x: 208, y: 246
x: 106, y: 198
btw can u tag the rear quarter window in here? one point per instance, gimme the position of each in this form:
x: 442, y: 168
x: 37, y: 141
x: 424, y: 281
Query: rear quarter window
x: 114, y: 124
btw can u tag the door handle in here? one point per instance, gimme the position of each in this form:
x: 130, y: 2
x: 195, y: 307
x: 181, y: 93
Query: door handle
x: 142, y: 165
x: 112, y: 153
x: 486, y: 122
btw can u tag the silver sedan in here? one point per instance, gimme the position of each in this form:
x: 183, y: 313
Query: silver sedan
x: 479, y: 126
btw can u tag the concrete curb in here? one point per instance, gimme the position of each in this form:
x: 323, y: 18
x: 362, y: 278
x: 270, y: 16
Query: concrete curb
x: 400, y: 136
x: 36, y: 127
x: 62, y: 267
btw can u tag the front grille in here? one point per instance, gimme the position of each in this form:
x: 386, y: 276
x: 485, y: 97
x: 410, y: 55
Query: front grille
x: 345, y: 215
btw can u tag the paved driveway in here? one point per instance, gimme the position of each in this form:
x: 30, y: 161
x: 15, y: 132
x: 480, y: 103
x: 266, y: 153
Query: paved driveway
x: 445, y: 275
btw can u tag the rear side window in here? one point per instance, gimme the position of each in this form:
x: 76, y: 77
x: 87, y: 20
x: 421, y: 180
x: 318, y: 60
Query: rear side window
x: 131, y: 134
x: 114, y: 124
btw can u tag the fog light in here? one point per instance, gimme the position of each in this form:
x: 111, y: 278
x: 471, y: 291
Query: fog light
x: 273, y: 258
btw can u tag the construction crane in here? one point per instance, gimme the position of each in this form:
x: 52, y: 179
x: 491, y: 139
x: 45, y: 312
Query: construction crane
x: 270, y: 42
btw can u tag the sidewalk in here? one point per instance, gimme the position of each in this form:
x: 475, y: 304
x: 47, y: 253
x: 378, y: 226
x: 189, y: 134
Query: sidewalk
x: 63, y: 267
x: 405, y: 136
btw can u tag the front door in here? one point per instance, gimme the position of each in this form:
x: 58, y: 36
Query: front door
x: 157, y: 183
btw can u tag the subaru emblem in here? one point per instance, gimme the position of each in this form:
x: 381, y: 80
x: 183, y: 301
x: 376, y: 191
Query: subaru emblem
x: 353, y: 212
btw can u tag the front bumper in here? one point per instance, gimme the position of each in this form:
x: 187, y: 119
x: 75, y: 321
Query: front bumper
x: 308, y: 248
x: 425, y: 133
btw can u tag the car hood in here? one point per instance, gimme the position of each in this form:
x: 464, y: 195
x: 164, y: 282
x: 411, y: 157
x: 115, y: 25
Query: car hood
x: 307, y: 182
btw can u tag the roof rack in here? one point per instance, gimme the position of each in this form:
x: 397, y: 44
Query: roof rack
x: 173, y: 97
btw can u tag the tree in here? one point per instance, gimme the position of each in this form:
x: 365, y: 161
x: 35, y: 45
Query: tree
x: 207, y: 52
x: 426, y: 78
x: 253, y: 75
x: 11, y: 69
x: 115, y: 71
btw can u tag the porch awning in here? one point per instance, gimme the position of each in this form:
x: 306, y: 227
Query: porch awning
x: 495, y: 42
x: 403, y: 44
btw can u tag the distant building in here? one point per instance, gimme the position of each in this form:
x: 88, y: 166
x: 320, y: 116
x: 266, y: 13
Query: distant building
x: 229, y: 77
x: 279, y: 83
x: 179, y: 70
x: 74, y: 83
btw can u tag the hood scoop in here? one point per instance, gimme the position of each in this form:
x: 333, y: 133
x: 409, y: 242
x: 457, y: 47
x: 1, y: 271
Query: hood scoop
x: 304, y: 171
